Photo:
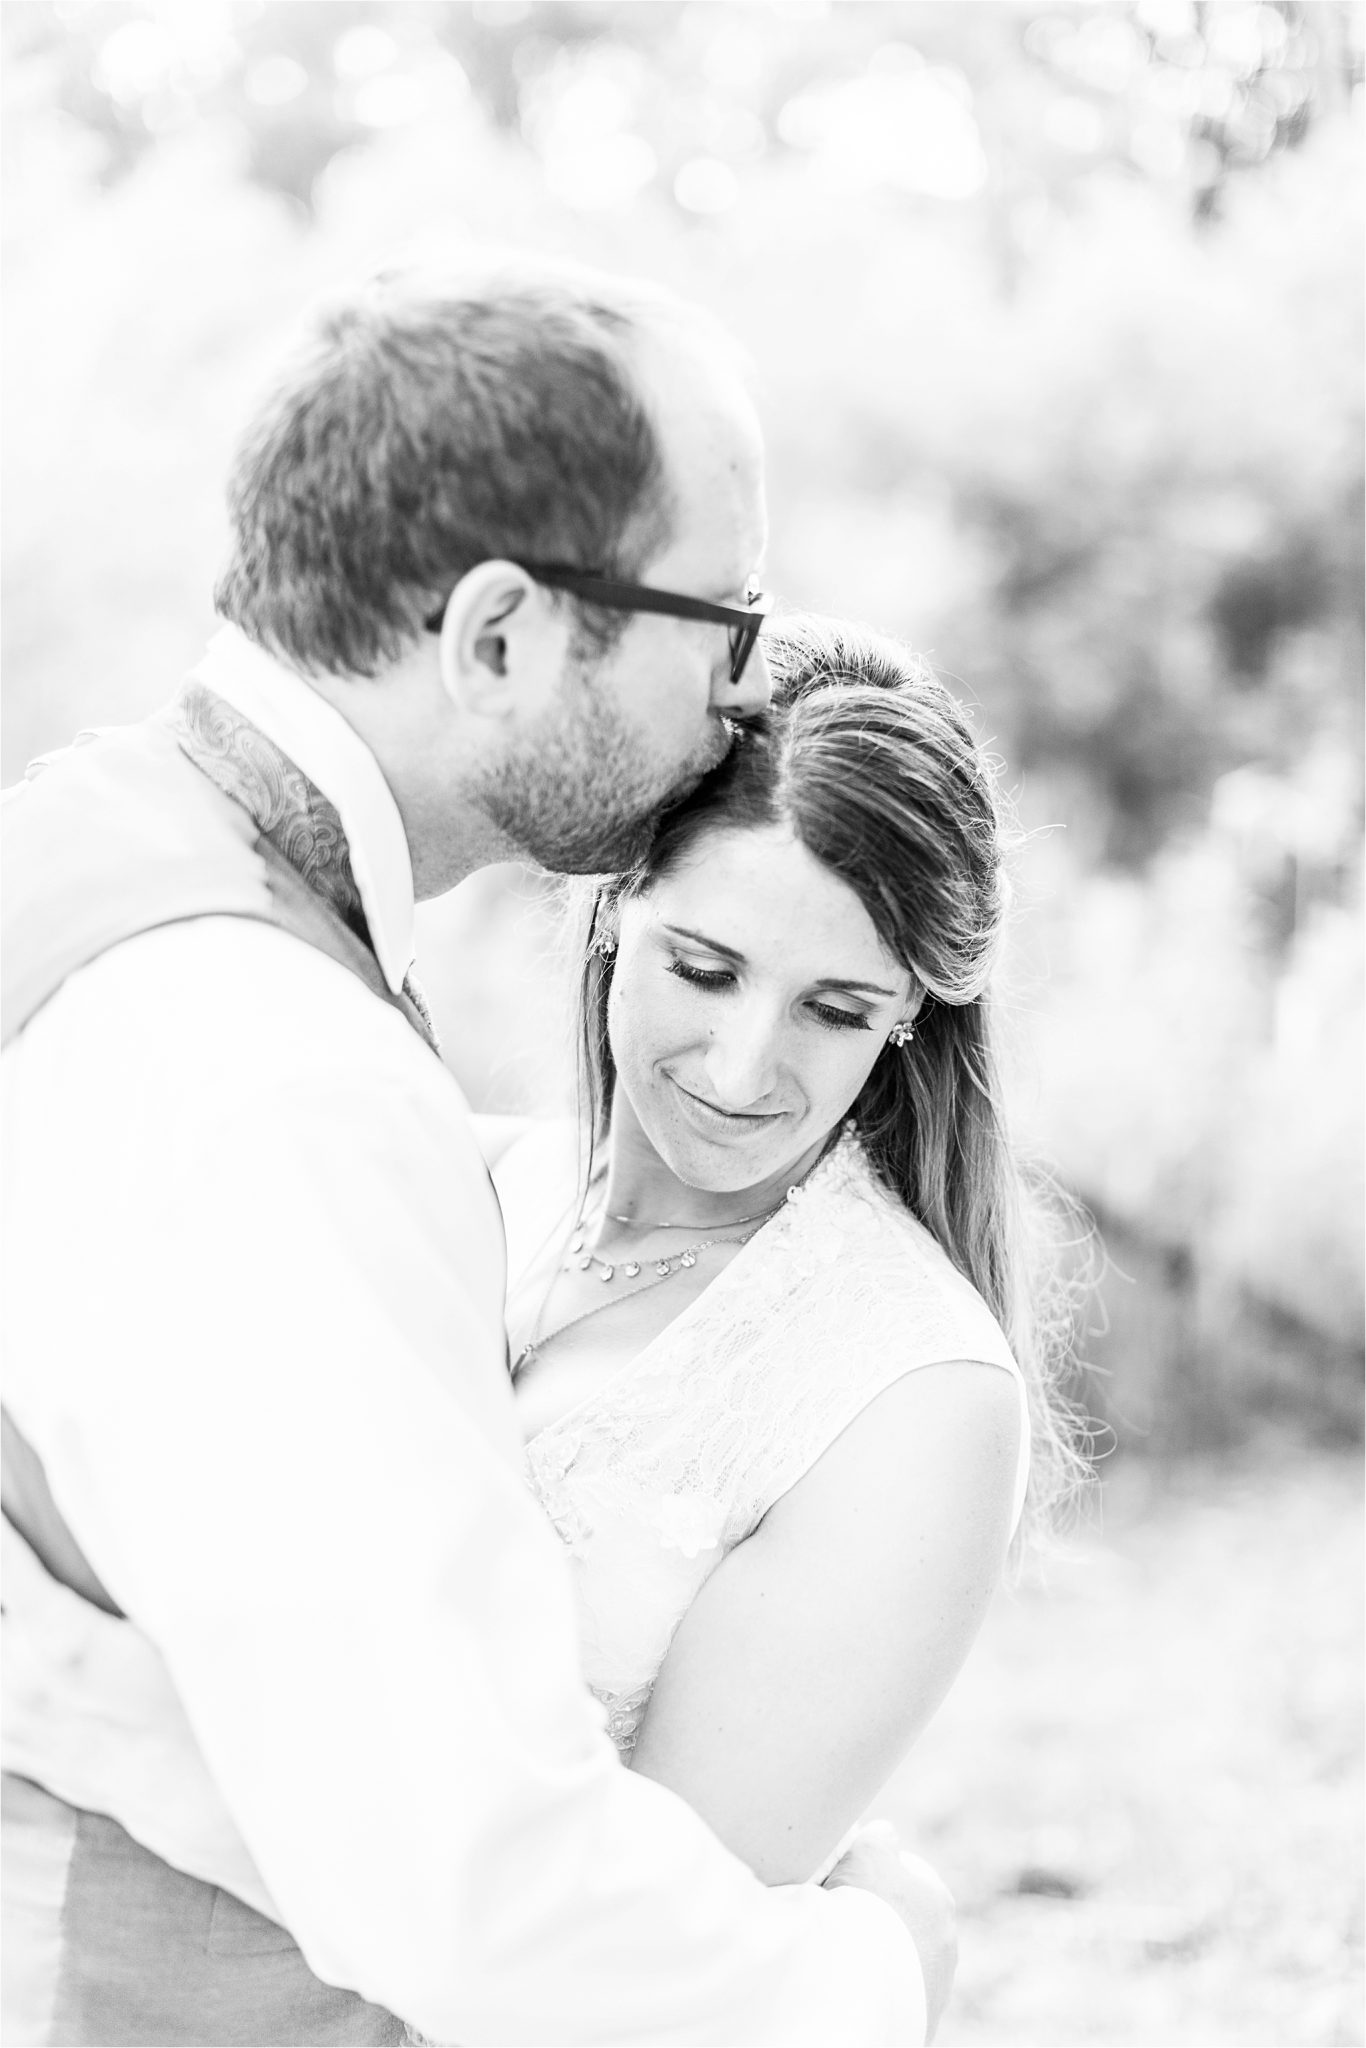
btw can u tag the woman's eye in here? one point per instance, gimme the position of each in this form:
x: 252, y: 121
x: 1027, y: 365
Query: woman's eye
x: 832, y: 1019
x: 700, y: 977
x: 826, y: 1015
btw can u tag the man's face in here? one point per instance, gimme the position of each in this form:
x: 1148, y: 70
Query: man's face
x: 633, y: 729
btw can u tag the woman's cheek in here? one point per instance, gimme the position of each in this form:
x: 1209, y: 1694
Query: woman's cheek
x: 634, y: 1021
x: 856, y: 1065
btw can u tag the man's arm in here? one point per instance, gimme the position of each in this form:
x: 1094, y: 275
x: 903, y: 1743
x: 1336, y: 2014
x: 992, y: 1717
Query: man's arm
x: 283, y: 1437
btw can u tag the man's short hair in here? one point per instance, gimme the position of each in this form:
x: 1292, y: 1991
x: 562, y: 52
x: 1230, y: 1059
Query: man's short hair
x: 433, y: 423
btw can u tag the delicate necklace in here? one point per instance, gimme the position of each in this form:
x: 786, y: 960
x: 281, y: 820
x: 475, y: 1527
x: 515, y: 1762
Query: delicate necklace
x: 664, y: 1267
x: 631, y: 1268
x: 664, y: 1270
x: 731, y: 1223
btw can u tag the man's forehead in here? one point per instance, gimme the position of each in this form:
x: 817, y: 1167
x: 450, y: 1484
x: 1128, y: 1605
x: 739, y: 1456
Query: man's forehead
x: 712, y: 450
x: 689, y: 383
x: 714, y: 460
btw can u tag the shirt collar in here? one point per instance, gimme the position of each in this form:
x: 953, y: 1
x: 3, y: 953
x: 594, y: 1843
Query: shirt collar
x: 331, y: 754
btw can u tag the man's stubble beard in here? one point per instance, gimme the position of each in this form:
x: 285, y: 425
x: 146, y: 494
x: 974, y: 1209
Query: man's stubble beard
x: 579, y: 796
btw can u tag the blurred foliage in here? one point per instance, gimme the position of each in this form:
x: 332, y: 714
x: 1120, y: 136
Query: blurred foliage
x: 1056, y: 313
x: 1033, y: 101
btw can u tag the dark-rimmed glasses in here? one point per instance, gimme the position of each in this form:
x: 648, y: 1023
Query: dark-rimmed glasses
x: 744, y: 624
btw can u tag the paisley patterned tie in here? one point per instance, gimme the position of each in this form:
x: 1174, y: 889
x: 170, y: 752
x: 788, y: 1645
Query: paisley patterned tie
x: 291, y: 812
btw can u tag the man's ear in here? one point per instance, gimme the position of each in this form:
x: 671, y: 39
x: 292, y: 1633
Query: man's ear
x: 496, y: 639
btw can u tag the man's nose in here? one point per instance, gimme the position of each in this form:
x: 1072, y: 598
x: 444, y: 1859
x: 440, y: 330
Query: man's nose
x: 751, y: 693
x: 742, y: 1060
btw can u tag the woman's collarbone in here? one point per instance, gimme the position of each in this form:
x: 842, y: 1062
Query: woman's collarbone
x: 591, y: 1339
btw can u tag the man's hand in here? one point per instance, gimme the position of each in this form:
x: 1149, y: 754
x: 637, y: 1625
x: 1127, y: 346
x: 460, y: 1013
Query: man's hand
x: 875, y: 1864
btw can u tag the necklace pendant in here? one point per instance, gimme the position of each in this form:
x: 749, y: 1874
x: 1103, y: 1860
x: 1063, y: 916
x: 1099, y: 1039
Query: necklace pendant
x: 687, y: 1259
x: 607, y: 1272
x: 663, y: 1268
x: 630, y: 1269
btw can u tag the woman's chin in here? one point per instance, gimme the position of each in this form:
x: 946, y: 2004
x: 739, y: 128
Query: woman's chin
x: 724, y: 1165
x: 692, y: 1168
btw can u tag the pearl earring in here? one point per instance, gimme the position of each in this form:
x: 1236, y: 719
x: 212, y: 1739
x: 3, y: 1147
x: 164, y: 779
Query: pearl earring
x: 900, y: 1034
x: 605, y: 945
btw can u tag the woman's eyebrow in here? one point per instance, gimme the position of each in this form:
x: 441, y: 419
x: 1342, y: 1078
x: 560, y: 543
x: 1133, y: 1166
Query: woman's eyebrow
x: 869, y: 988
x: 855, y: 988
x: 681, y: 931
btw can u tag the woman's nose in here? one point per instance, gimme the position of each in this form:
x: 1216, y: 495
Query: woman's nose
x: 742, y: 1062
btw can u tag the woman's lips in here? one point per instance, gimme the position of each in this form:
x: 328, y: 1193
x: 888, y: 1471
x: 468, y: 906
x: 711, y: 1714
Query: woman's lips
x: 706, y: 1117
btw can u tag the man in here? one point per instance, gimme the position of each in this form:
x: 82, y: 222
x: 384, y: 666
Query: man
x: 489, y: 596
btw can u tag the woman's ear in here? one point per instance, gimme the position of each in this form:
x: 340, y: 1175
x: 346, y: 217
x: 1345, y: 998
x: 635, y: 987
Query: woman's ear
x: 903, y: 1031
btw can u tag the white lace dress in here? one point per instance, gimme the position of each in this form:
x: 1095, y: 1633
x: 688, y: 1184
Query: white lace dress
x: 652, y: 1479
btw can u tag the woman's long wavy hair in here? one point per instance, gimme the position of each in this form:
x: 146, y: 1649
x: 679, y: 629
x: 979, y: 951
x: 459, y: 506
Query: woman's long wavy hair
x: 869, y: 760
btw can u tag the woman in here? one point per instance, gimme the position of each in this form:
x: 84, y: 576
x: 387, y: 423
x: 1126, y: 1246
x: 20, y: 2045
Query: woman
x: 784, y: 1528
x: 782, y: 1369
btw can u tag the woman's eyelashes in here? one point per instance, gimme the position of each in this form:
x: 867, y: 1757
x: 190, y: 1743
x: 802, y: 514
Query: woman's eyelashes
x: 839, y: 1020
x: 826, y: 1015
x: 701, y: 977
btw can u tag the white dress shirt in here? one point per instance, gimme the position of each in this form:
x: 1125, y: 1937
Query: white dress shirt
x: 253, y: 1327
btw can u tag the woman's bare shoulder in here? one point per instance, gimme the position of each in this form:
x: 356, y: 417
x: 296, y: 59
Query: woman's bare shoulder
x: 497, y: 1136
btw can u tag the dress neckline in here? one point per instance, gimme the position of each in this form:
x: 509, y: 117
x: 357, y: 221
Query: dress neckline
x: 845, y: 1146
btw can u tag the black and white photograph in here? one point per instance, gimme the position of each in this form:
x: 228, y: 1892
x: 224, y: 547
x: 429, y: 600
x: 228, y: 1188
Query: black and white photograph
x: 683, y: 1088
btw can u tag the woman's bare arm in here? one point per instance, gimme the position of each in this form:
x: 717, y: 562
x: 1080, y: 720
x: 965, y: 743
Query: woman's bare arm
x: 820, y: 1646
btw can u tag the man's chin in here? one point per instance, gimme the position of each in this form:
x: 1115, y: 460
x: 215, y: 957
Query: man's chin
x: 609, y: 852
x: 601, y: 844
x: 612, y: 846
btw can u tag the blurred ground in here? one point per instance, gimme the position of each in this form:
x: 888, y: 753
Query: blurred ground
x: 1146, y: 1789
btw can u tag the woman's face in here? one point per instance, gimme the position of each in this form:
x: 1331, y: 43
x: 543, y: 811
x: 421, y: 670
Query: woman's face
x: 750, y: 998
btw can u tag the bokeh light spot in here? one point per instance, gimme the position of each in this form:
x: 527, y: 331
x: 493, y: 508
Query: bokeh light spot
x: 275, y: 81
x: 599, y: 173
x: 387, y: 102
x: 705, y: 185
x: 133, y: 61
x: 1074, y: 124
x: 363, y: 50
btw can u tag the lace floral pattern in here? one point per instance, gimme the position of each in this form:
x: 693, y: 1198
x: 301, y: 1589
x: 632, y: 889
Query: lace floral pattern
x: 653, y: 1479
